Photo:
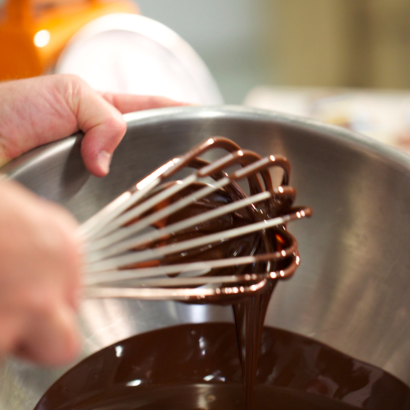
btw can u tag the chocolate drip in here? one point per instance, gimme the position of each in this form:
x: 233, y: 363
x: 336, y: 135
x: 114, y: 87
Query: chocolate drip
x: 274, y: 248
x: 249, y: 312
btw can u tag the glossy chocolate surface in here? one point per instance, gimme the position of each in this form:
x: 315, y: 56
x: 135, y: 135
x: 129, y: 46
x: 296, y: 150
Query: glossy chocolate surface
x: 196, y: 366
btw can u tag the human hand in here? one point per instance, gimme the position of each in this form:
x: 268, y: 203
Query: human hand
x: 40, y: 275
x: 39, y: 110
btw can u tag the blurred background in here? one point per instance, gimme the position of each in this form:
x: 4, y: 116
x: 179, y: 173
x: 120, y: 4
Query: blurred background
x: 226, y: 34
x: 338, y: 43
x: 341, y: 61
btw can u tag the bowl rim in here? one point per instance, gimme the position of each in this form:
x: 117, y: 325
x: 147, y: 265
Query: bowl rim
x: 383, y: 151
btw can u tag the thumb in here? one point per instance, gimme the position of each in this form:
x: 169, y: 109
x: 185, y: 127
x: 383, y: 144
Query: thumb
x: 104, y: 128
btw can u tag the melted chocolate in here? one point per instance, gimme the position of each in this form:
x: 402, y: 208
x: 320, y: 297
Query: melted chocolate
x: 196, y: 366
x: 249, y: 312
x: 270, y: 240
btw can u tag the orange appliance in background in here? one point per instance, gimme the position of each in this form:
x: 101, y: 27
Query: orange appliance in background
x: 33, y: 34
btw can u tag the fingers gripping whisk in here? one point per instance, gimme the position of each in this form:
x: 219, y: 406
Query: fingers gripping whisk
x: 218, y: 233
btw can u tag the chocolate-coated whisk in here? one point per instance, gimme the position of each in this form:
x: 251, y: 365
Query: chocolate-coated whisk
x: 197, y: 238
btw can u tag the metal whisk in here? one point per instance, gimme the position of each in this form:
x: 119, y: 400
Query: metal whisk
x: 198, y: 238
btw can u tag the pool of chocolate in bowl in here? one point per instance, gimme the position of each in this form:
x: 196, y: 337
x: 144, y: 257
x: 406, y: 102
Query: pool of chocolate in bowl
x: 196, y: 366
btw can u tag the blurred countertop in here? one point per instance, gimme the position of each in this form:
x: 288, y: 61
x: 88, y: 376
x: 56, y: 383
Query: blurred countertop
x: 383, y: 115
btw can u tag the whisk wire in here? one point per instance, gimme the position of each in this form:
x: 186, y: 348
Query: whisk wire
x: 134, y: 213
x: 143, y: 273
x: 97, y: 222
x: 159, y: 253
x: 119, y: 249
x: 191, y: 294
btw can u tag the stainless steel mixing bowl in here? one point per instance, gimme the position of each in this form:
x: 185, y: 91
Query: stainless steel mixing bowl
x: 352, y: 290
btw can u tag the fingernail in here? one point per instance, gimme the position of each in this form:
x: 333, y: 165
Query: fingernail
x: 104, y: 160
